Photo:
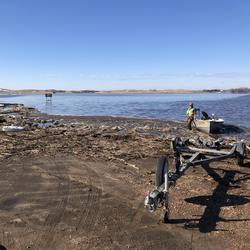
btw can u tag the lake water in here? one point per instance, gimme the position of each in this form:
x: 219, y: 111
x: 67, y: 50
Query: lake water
x: 233, y: 108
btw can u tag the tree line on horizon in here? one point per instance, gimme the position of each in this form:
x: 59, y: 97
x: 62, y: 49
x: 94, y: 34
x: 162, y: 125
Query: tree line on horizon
x: 36, y: 91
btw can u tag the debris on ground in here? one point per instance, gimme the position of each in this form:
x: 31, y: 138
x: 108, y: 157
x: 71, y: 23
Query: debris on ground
x: 110, y: 162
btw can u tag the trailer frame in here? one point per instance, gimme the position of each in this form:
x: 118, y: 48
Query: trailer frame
x: 186, y: 156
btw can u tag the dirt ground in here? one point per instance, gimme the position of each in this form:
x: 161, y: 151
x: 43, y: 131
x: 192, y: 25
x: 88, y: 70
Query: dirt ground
x: 83, y: 185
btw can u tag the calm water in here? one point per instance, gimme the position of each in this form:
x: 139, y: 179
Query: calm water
x: 233, y: 108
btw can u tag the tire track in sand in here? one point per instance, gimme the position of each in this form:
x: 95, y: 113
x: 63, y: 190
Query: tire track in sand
x: 45, y: 240
x: 90, y: 203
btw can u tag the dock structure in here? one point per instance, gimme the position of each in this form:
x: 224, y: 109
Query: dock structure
x: 48, y: 96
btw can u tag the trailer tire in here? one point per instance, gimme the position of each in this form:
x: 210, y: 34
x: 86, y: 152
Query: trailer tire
x: 161, y: 170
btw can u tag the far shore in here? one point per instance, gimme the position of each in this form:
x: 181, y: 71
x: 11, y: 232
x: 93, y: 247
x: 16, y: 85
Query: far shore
x: 123, y: 91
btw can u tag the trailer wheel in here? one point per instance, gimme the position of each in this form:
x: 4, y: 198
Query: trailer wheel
x: 161, y: 170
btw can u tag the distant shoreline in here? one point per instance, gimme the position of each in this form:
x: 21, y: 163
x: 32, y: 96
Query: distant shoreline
x: 125, y: 91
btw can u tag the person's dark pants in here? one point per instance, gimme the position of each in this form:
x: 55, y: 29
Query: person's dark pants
x: 190, y: 121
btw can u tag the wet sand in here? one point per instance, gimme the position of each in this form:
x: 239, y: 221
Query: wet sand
x: 80, y: 183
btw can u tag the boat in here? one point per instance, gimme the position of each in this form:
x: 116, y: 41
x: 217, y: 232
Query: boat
x: 210, y: 126
x: 207, y: 124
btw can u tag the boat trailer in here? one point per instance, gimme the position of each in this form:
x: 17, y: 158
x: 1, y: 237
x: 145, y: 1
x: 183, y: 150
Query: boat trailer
x: 187, y: 155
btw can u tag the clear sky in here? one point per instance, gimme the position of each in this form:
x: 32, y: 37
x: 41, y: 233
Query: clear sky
x: 119, y: 44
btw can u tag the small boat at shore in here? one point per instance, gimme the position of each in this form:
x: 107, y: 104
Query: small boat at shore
x: 207, y: 124
x: 210, y: 126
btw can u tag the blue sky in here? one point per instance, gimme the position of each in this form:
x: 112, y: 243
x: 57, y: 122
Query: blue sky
x: 120, y: 44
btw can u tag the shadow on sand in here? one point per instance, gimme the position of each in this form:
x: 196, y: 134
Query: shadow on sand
x: 213, y: 203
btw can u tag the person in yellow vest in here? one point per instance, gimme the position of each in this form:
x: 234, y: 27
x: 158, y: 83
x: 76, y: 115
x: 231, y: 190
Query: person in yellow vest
x: 190, y: 115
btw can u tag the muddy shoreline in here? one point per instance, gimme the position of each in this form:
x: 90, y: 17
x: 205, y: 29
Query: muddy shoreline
x: 72, y: 182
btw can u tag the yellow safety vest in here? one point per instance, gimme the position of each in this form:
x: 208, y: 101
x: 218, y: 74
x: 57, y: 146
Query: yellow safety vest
x: 190, y: 112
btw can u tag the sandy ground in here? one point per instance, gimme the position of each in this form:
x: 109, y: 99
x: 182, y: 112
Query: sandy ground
x: 82, y: 186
